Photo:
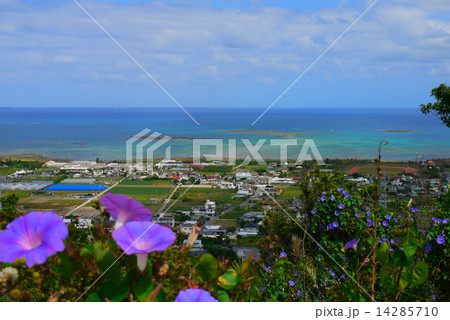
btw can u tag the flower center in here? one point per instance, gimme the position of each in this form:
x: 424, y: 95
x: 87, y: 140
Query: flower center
x: 32, y: 242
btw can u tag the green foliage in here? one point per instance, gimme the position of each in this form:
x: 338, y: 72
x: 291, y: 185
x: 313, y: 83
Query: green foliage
x: 440, y: 108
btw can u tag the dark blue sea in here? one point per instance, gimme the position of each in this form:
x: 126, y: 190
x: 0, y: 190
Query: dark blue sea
x: 88, y: 133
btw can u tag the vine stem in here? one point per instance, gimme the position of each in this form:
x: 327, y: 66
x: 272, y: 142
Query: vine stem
x: 375, y: 221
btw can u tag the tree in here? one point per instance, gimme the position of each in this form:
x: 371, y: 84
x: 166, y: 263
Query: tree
x: 441, y: 108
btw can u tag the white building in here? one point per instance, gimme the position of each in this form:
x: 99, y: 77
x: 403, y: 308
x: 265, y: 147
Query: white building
x: 248, y: 230
x: 282, y: 181
x: 227, y: 185
x: 243, y: 175
x: 197, y: 248
x: 169, y: 163
x: 165, y: 220
x: 208, y: 210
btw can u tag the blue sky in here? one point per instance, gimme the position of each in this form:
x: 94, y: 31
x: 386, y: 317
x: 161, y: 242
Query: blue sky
x: 222, y: 53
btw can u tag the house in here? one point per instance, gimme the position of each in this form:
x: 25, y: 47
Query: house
x: 248, y: 217
x: 227, y: 185
x: 244, y: 252
x: 165, y: 220
x: 262, y: 180
x: 282, y: 181
x: 243, y: 175
x: 197, y: 248
x: 245, y: 190
x: 187, y: 226
x: 248, y: 230
x: 207, y: 211
x: 169, y: 163
x: 213, y: 231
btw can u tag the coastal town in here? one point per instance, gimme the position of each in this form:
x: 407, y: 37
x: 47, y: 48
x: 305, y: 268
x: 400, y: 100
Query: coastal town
x: 228, y: 203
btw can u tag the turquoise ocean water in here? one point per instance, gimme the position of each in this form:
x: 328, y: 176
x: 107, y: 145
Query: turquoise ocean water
x: 87, y: 133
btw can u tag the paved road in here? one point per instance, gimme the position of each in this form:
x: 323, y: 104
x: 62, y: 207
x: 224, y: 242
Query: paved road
x: 166, y: 201
x: 221, y: 214
x: 232, y: 208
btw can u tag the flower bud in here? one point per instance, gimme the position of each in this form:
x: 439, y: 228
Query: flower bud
x: 192, y: 237
x: 19, y: 262
x: 26, y: 296
x: 15, y: 294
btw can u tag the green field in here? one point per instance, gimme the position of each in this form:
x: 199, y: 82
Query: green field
x: 159, y: 182
x: 206, y: 190
x: 152, y: 192
x: 289, y: 193
x: 198, y: 196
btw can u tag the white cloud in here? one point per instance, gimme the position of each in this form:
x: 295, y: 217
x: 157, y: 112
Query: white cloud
x: 198, y: 43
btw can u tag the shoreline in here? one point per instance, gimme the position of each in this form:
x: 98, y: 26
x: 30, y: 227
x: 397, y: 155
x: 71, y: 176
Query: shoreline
x: 42, y: 158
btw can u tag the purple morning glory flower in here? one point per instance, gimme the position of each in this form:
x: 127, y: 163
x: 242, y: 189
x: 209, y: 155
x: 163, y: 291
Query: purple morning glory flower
x: 345, y: 193
x: 34, y: 236
x: 428, y: 248
x: 440, y: 240
x: 414, y: 210
x: 335, y: 224
x: 143, y: 237
x: 387, y: 217
x: 195, y: 295
x: 124, y: 209
x: 368, y: 212
x: 313, y: 211
x: 339, y: 189
x: 291, y: 283
x: 322, y: 198
x: 333, y: 198
x: 333, y: 274
x: 367, y: 208
x: 268, y: 268
x: 283, y: 255
x: 356, y: 215
x: 385, y: 223
x: 352, y: 244
x: 445, y: 221
x: 337, y: 213
x: 341, y: 206
x: 400, y: 216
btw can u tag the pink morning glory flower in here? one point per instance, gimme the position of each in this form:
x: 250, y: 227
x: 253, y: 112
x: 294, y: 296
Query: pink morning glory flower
x: 35, y: 237
x: 141, y: 238
x: 352, y: 244
x: 124, y: 209
x: 195, y: 295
